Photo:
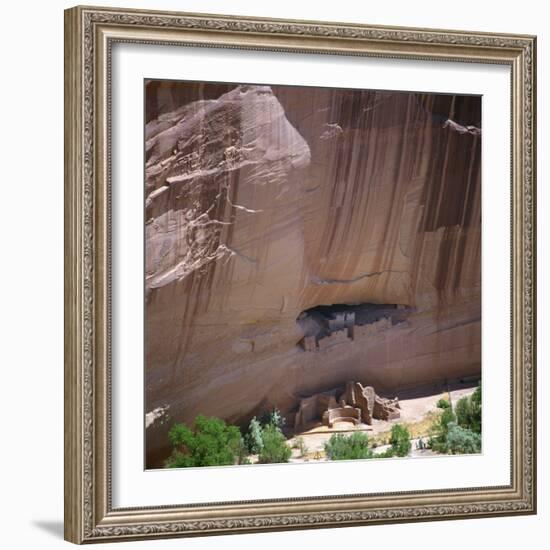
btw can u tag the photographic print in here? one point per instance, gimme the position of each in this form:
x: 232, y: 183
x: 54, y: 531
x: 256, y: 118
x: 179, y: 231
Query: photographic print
x: 312, y: 274
x: 277, y: 243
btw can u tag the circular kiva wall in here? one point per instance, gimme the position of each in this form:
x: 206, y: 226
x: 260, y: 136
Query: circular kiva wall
x: 344, y: 414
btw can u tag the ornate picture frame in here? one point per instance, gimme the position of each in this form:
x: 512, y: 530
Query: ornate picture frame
x: 90, y: 34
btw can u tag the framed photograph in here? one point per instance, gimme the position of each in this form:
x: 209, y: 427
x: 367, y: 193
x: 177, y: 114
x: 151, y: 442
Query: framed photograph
x: 300, y: 274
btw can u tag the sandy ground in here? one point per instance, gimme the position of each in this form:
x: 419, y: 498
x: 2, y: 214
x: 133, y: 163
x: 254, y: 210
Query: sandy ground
x: 416, y: 406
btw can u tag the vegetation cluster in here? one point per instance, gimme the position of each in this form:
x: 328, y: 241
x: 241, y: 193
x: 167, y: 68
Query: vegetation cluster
x: 459, y: 431
x: 358, y: 445
x: 212, y: 442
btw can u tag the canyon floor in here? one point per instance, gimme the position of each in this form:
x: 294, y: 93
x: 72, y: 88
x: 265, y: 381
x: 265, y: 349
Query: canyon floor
x: 418, y: 412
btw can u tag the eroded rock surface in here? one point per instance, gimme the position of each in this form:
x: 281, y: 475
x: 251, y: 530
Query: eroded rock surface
x: 263, y: 202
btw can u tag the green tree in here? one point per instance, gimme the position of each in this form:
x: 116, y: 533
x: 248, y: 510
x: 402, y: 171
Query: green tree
x: 443, y: 404
x: 388, y: 453
x: 400, y: 440
x: 460, y: 434
x: 462, y: 441
x: 273, y: 417
x: 254, y: 436
x: 355, y: 446
x: 476, y: 410
x: 446, y: 418
x: 463, y: 412
x: 275, y: 448
x: 468, y: 411
x: 440, y: 428
x: 211, y: 443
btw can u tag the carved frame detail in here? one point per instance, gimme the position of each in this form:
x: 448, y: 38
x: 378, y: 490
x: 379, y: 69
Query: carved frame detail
x: 89, y: 34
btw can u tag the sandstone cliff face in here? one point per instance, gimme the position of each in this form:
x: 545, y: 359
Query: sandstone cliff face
x: 263, y: 202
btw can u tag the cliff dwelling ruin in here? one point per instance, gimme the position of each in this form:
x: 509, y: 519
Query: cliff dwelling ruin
x: 355, y: 404
x: 325, y: 326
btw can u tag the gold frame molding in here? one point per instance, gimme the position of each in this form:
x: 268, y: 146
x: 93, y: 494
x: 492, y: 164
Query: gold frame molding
x: 89, y: 35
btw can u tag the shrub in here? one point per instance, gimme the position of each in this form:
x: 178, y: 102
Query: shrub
x: 179, y: 460
x: 460, y: 434
x: 440, y: 428
x: 438, y: 443
x: 443, y: 404
x: 179, y: 434
x: 211, y: 443
x: 273, y: 417
x: 254, y: 437
x: 468, y: 411
x: 475, y: 401
x: 275, y: 448
x: 355, y: 446
x: 462, y: 441
x: 301, y: 445
x: 400, y: 440
x: 463, y: 412
x: 242, y: 452
x: 388, y: 453
x: 446, y: 418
